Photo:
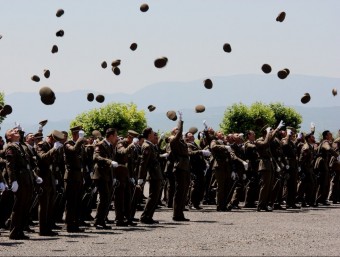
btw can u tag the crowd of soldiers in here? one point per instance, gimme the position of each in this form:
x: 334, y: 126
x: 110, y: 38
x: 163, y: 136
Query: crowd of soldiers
x: 62, y: 177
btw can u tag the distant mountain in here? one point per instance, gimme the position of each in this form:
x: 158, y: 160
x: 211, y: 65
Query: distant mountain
x: 323, y: 108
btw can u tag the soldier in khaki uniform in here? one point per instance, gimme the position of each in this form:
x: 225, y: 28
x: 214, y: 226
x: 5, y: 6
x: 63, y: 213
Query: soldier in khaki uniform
x: 307, y: 186
x: 335, y: 171
x: 149, y: 169
x: 20, y: 178
x: 290, y: 155
x: 198, y: 166
x: 324, y: 152
x: 179, y: 151
x: 103, y: 175
x: 46, y: 151
x: 266, y: 165
x: 73, y: 153
x: 251, y: 156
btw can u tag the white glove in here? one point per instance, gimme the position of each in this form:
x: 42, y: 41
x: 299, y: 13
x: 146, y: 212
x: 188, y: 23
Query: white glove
x: 164, y: 155
x: 281, y: 124
x: 287, y: 167
x: 114, y: 181
x: 38, y: 180
x: 140, y: 181
x: 205, y: 125
x: 241, y: 135
x: 244, y: 177
x: 268, y: 129
x: 17, y: 125
x: 312, y: 125
x: 2, y: 186
x: 15, y: 186
x: 338, y: 158
x: 135, y: 140
x: 180, y: 114
x: 40, y: 128
x: 162, y: 136
x: 278, y: 169
x: 289, y: 132
x: 299, y: 135
x: 56, y: 181
x: 132, y: 180
x: 228, y: 148
x: 245, y: 164
x: 206, y: 153
x: 91, y: 174
x: 299, y: 169
x: 57, y: 145
x: 81, y: 134
x: 233, y: 175
x: 114, y: 164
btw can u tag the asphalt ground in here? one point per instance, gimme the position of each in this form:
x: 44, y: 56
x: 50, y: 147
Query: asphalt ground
x: 244, y: 232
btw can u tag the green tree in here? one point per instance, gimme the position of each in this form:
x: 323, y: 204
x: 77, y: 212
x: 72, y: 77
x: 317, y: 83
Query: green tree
x: 117, y: 115
x: 236, y: 118
x: 240, y: 118
x: 2, y: 103
x: 287, y: 114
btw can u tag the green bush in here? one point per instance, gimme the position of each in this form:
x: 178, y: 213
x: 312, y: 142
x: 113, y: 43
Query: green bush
x: 116, y: 115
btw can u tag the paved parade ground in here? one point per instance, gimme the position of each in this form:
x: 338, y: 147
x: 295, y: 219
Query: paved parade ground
x: 312, y: 231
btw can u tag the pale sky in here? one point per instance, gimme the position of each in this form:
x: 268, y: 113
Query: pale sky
x: 190, y: 33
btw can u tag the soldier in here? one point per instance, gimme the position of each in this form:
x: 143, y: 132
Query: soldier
x: 179, y: 151
x: 307, y: 186
x: 73, y: 154
x: 21, y: 181
x: 59, y: 173
x: 266, y: 165
x: 221, y: 167
x: 240, y: 168
x: 251, y: 156
x: 324, y: 153
x: 198, y: 166
x: 149, y: 169
x: 127, y: 156
x: 103, y: 175
x: 290, y: 155
x: 46, y: 152
x: 335, y: 171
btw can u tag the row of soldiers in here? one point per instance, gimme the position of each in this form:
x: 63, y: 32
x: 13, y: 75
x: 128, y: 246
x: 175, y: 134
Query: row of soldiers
x: 59, y: 177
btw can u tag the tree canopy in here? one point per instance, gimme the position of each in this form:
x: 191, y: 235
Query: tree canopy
x: 240, y: 117
x: 116, y: 115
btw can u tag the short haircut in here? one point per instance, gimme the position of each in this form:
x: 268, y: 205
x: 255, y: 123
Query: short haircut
x: 110, y: 131
x: 325, y: 133
x: 147, y: 132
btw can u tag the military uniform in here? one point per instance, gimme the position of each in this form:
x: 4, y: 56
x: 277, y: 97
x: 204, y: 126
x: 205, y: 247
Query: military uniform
x: 18, y: 168
x: 324, y: 152
x: 149, y: 169
x: 103, y: 178
x: 221, y: 168
x: 73, y: 153
x: 266, y: 169
x: 290, y: 155
x: 307, y: 186
x: 45, y: 153
x: 252, y: 188
x: 198, y: 166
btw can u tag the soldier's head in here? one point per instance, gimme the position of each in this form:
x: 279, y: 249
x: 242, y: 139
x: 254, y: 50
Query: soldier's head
x: 148, y: 134
x: 131, y: 134
x: 310, y: 138
x: 65, y: 136
x: 12, y: 135
x: 327, y: 135
x: 250, y: 134
x: 29, y: 139
x: 141, y: 139
x: 111, y: 135
x: 189, y: 137
x: 219, y: 135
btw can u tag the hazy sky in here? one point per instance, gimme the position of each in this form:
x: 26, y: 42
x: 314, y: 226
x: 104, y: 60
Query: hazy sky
x: 190, y: 33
